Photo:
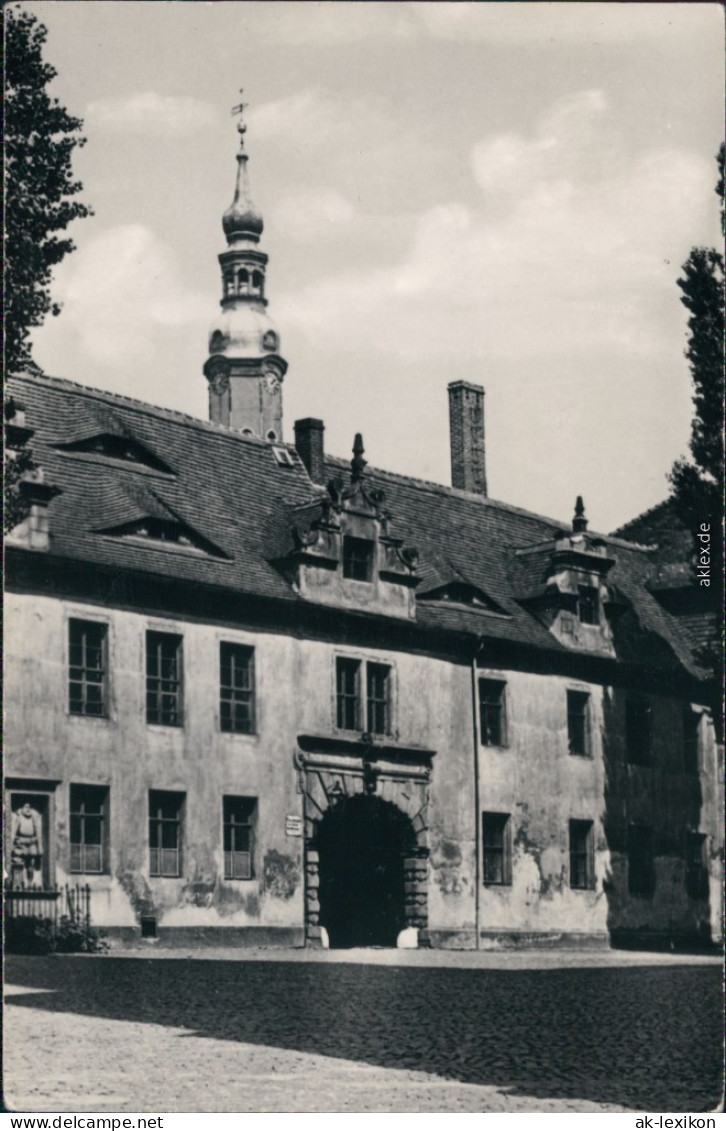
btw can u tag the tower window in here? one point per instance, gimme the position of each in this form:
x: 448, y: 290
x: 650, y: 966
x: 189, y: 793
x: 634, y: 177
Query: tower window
x: 357, y: 558
x: 243, y: 281
x: 492, y: 712
x: 582, y: 863
x: 578, y: 731
x: 238, y: 814
x: 87, y: 651
x: 257, y: 280
x: 496, y: 848
x: 588, y: 606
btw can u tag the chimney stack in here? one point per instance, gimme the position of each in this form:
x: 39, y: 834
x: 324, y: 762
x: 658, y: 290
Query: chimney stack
x: 309, y: 445
x: 466, y: 423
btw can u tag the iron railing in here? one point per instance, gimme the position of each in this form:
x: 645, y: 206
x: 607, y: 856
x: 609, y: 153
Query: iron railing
x: 52, y: 904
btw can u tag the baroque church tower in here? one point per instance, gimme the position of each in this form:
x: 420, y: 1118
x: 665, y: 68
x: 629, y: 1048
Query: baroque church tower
x: 244, y: 368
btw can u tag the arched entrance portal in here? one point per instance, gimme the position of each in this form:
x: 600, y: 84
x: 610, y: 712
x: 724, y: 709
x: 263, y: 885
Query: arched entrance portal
x: 363, y: 842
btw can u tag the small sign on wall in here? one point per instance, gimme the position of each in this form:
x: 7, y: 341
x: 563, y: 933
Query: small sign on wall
x: 293, y: 826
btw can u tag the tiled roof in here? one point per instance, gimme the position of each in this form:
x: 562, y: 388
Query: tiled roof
x: 229, y: 489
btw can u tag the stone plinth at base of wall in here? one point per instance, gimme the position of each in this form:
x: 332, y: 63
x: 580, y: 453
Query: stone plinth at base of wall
x: 200, y: 937
x: 692, y: 942
x: 543, y: 940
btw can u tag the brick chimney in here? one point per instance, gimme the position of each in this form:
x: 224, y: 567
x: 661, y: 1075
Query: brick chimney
x: 466, y: 424
x: 309, y: 445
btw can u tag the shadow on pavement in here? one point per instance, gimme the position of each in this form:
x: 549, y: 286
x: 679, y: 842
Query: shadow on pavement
x: 645, y: 1038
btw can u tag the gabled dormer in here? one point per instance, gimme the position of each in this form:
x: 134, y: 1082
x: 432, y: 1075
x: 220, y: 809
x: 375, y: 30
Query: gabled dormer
x: 568, y: 589
x: 118, y: 447
x: 344, y: 552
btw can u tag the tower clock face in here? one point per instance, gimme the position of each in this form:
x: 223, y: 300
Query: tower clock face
x: 272, y: 383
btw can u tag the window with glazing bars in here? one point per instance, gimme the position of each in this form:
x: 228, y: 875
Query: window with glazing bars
x: 89, y: 805
x: 496, y: 848
x: 378, y: 698
x: 582, y: 860
x: 578, y: 731
x: 696, y: 866
x: 691, y: 741
x: 238, y: 814
x: 164, y: 679
x: 492, y: 712
x: 237, y: 688
x: 165, y: 832
x: 357, y: 558
x: 638, y: 732
x: 347, y: 678
x: 588, y: 605
x: 641, y: 869
x: 87, y: 648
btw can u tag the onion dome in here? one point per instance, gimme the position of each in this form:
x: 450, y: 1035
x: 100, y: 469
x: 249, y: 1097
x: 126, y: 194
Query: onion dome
x: 242, y: 221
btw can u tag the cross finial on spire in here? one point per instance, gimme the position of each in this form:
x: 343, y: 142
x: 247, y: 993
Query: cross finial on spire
x: 240, y: 109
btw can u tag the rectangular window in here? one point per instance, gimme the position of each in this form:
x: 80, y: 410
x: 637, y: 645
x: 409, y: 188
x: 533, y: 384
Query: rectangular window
x: 378, y: 698
x: 87, y: 652
x: 691, y: 741
x: 492, y: 712
x: 638, y: 732
x: 496, y: 848
x: 238, y: 814
x: 588, y: 605
x: 89, y: 809
x: 165, y: 832
x: 578, y: 722
x: 237, y: 688
x: 582, y: 858
x: 357, y: 558
x: 696, y: 866
x: 347, y: 679
x: 164, y: 679
x: 641, y: 869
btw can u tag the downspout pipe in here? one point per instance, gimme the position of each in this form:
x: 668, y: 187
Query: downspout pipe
x: 477, y: 804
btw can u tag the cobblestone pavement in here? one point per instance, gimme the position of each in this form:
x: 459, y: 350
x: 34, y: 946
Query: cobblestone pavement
x: 378, y: 1031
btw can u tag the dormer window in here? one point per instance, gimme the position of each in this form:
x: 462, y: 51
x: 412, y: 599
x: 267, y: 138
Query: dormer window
x: 588, y: 605
x: 358, y: 558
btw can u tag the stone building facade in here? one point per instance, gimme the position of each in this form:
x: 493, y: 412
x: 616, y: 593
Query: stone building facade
x: 260, y: 695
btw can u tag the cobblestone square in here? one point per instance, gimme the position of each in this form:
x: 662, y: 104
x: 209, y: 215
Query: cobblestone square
x: 374, y: 1031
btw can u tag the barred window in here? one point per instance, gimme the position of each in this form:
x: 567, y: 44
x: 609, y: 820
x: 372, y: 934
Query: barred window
x: 492, y: 712
x: 588, y: 604
x: 582, y: 860
x: 378, y: 698
x: 87, y: 654
x: 578, y: 728
x: 347, y: 677
x: 89, y: 806
x: 165, y: 832
x: 641, y: 867
x: 164, y: 679
x: 237, y: 688
x: 496, y: 848
x: 638, y: 732
x: 691, y: 741
x: 238, y: 814
x: 696, y: 866
x: 357, y: 558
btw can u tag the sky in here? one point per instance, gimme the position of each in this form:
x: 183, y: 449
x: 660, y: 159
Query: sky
x: 501, y: 193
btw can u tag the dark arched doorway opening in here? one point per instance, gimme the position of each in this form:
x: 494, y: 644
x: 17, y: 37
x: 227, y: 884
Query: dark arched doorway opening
x: 363, y: 843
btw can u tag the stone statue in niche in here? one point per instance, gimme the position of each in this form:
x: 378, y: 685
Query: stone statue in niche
x: 26, y: 851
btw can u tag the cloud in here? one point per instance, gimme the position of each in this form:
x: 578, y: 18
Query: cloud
x: 151, y: 113
x: 566, y: 22
x: 117, y: 291
x: 312, y: 215
x: 574, y: 247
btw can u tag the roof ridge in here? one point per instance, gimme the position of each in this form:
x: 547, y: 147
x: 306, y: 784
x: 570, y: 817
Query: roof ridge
x: 137, y: 405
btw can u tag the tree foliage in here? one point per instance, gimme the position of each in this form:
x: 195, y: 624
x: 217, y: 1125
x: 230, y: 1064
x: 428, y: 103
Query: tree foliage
x: 40, y: 136
x: 698, y: 482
